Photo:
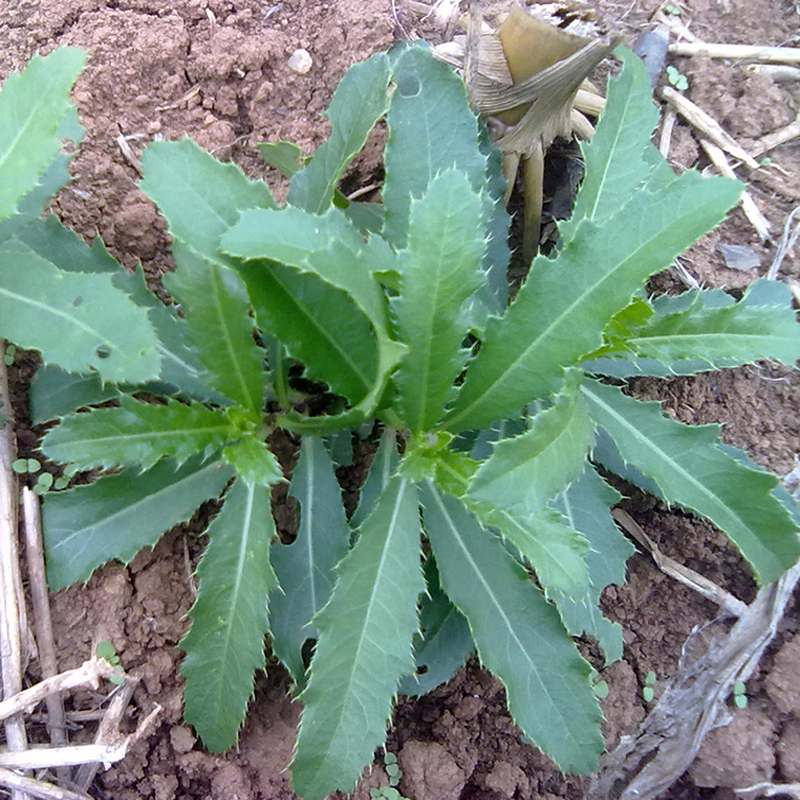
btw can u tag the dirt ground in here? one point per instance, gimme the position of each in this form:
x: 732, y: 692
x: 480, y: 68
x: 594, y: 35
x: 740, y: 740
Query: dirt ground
x: 216, y: 70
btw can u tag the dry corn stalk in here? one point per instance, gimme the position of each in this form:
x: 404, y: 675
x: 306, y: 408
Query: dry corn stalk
x: 530, y: 83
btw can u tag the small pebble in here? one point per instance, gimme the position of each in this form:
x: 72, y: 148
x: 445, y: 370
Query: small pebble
x: 300, y: 61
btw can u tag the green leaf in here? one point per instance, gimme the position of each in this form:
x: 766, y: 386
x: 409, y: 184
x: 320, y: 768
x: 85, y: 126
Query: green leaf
x: 549, y: 327
x: 225, y: 645
x: 363, y: 649
x: 136, y: 434
x: 444, y: 642
x: 614, y: 159
x: 286, y: 157
x: 718, y: 332
x: 530, y: 469
x: 253, y: 461
x: 117, y: 516
x: 555, y: 550
x: 200, y: 196
x: 691, y: 470
x: 430, y: 130
x: 383, y: 466
x: 319, y: 325
x: 55, y: 392
x: 327, y: 246
x: 219, y: 326
x: 585, y: 504
x: 518, y: 634
x: 440, y: 269
x: 32, y: 106
x: 360, y: 100
x: 79, y: 322
x: 305, y: 567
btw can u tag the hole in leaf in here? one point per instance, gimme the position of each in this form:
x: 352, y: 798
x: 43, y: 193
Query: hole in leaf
x: 422, y: 669
x: 103, y: 351
x: 77, y: 301
x: 408, y: 85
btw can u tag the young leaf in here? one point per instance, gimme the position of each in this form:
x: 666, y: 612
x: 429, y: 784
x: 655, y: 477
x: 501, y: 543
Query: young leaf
x: 555, y: 550
x: 219, y: 325
x: 530, y: 469
x: 440, y: 269
x: 710, y: 328
x: 429, y: 131
x: 79, y: 322
x: 360, y: 100
x: 614, y: 159
x: 585, y: 504
x: 690, y: 469
x: 607, y: 265
x: 363, y: 649
x: 54, y: 393
x: 118, y: 515
x: 286, y: 157
x: 200, y: 196
x: 305, y: 567
x: 381, y: 470
x: 518, y: 634
x: 444, y: 642
x: 32, y: 106
x: 136, y: 434
x: 253, y: 461
x: 319, y: 325
x: 225, y: 645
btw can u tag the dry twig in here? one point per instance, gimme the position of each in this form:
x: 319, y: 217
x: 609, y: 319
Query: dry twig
x: 784, y: 55
x: 34, y: 788
x: 776, y: 138
x: 791, y: 232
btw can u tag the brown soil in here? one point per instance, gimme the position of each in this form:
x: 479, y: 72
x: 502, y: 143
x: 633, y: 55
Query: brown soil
x: 216, y: 70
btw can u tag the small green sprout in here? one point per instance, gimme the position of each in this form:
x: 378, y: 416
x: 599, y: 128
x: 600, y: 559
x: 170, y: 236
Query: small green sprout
x: 677, y: 79
x: 673, y: 11
x: 105, y: 650
x: 8, y: 358
x: 648, y: 693
x: 739, y: 696
x: 26, y: 466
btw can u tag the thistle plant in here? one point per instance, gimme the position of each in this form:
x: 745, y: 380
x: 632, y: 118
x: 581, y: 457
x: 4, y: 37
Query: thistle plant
x: 497, y: 422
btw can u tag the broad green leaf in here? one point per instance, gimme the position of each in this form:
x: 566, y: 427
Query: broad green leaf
x: 253, y: 461
x: 440, y: 268
x: 556, y: 551
x: 585, y: 504
x: 327, y: 246
x: 54, y: 393
x: 444, y: 642
x: 136, y: 434
x: 286, y: 157
x: 360, y: 100
x: 218, y: 323
x: 225, y: 645
x: 79, y: 322
x: 305, y: 567
x: 518, y: 634
x: 691, y: 470
x: 200, y: 196
x: 615, y: 158
x: 32, y: 106
x: 118, y: 515
x: 383, y: 466
x: 31, y: 207
x: 319, y: 325
x: 430, y: 130
x: 49, y: 239
x: 718, y: 333
x: 530, y: 469
x: 363, y: 650
x: 549, y: 327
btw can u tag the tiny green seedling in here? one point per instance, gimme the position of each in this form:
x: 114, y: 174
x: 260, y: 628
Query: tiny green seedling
x: 739, y: 694
x: 8, y: 358
x: 673, y: 11
x: 601, y: 690
x: 677, y: 79
x: 105, y: 650
x: 26, y: 466
x: 648, y: 692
